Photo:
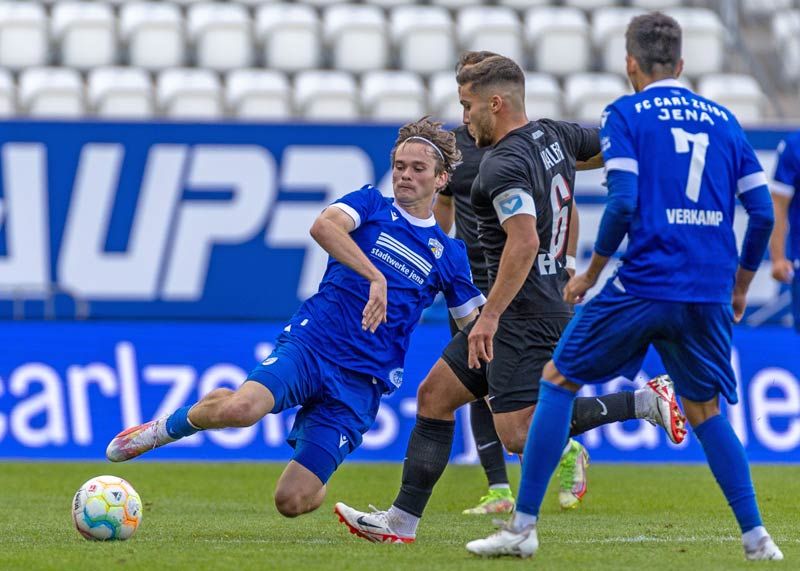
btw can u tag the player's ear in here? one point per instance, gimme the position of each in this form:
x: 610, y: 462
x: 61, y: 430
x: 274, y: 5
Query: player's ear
x: 441, y: 180
x: 495, y: 103
x: 679, y: 68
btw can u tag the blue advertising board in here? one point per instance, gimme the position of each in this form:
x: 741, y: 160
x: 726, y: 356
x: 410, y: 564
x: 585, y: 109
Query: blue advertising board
x: 67, y: 388
x: 200, y: 221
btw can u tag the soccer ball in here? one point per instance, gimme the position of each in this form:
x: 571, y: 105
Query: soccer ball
x: 106, y: 507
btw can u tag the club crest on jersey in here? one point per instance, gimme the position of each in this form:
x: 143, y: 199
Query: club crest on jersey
x: 436, y: 247
x: 511, y: 204
x: 396, y: 377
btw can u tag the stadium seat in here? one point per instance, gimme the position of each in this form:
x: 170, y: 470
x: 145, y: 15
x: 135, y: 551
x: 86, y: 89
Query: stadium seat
x: 54, y: 92
x: 255, y: 3
x: 393, y: 95
x: 456, y: 4
x: 786, y: 34
x: 86, y: 34
x: 289, y: 35
x: 423, y: 37
x: 763, y: 8
x: 326, y: 95
x: 443, y: 97
x: 739, y: 93
x: 258, y: 94
x: 608, y: 36
x: 703, y: 40
x: 542, y: 96
x: 492, y: 28
x: 154, y: 35
x: 324, y: 3
x: 586, y: 95
x: 590, y: 4
x: 655, y: 4
x: 521, y: 5
x: 187, y: 93
x: 557, y: 39
x: 356, y: 36
x: 222, y: 35
x: 8, y: 94
x: 391, y: 3
x: 120, y: 92
x: 23, y: 35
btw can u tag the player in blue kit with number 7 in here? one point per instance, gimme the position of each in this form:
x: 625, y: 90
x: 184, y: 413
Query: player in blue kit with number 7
x: 345, y: 345
x: 675, y: 164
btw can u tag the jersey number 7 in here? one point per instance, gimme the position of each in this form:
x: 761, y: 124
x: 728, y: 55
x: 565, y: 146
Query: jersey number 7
x: 698, y: 163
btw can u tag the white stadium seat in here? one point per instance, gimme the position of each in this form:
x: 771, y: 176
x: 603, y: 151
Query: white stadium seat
x: 493, y: 28
x: 524, y: 4
x: 590, y: 4
x: 154, y: 35
x: 786, y: 34
x: 326, y: 95
x: 739, y: 93
x: 186, y: 93
x: 542, y: 96
x: 557, y: 39
x: 393, y: 95
x: 8, y: 94
x: 255, y: 3
x: 586, y: 95
x: 761, y: 8
x: 456, y: 4
x: 703, y: 40
x: 120, y: 92
x: 423, y: 37
x: 655, y: 4
x: 258, y: 94
x: 443, y: 97
x: 289, y: 35
x: 53, y: 92
x: 608, y: 36
x: 86, y: 33
x: 323, y: 3
x: 356, y: 36
x: 391, y: 3
x: 23, y: 35
x: 222, y: 35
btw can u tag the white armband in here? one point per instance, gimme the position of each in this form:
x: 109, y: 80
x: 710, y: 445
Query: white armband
x: 570, y: 264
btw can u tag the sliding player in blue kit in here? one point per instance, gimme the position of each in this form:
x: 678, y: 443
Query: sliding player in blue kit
x: 345, y: 345
x: 676, y: 163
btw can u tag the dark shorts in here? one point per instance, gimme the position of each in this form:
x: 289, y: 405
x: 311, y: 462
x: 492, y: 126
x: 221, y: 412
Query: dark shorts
x: 610, y: 338
x: 338, y: 405
x: 522, y: 347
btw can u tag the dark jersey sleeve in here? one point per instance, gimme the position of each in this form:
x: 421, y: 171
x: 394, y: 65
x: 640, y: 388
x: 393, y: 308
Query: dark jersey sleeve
x: 584, y: 143
x: 506, y: 184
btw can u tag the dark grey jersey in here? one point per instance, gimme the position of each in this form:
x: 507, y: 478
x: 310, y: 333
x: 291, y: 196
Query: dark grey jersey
x: 532, y: 171
x: 459, y: 188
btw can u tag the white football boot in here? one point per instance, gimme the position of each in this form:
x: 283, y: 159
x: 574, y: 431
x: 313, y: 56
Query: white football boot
x: 765, y: 551
x: 663, y: 409
x: 506, y: 541
x: 372, y: 526
x: 137, y: 440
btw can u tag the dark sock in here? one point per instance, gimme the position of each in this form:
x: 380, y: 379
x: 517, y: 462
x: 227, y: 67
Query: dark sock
x: 490, y: 449
x: 591, y: 412
x: 426, y: 458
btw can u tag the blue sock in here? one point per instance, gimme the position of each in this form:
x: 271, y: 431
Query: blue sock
x: 178, y: 424
x: 546, y: 439
x: 728, y: 463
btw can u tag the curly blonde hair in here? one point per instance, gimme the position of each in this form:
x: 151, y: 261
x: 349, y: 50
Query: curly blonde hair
x: 448, y: 157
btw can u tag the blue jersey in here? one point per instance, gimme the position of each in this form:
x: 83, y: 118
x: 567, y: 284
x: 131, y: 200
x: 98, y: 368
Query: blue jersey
x: 787, y: 181
x: 418, y: 260
x: 692, y: 160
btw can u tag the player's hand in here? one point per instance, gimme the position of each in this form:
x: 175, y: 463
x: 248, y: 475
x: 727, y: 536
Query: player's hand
x: 577, y: 286
x: 375, y: 311
x: 739, y: 303
x: 782, y: 270
x: 481, y: 341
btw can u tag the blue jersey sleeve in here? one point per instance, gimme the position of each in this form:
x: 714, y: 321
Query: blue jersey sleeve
x: 361, y: 205
x: 460, y: 293
x: 787, y: 170
x: 750, y: 172
x: 616, y: 142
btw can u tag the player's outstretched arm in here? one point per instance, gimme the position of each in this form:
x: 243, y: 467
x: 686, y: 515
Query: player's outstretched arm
x: 522, y: 245
x: 596, y: 162
x: 781, y: 267
x: 331, y: 230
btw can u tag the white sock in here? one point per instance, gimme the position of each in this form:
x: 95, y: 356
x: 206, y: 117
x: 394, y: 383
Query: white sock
x: 500, y: 487
x: 522, y: 520
x: 751, y: 538
x: 402, y: 522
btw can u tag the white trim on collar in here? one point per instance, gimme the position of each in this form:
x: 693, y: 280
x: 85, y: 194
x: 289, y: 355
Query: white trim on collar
x: 666, y: 83
x: 413, y: 220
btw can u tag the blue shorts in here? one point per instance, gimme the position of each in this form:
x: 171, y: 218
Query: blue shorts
x: 610, y: 338
x: 338, y: 405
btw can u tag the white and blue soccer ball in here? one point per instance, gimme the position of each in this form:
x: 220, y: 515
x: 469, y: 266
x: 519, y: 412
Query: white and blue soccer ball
x: 106, y: 507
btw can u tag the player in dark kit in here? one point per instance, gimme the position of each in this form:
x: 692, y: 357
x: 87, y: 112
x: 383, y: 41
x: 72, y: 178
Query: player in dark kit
x: 522, y: 199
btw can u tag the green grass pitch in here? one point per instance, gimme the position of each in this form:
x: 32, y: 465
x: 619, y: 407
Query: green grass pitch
x: 221, y: 516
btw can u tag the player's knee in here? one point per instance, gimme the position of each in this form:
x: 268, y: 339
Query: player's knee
x: 430, y: 402
x: 290, y: 503
x: 514, y: 442
x: 552, y: 375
